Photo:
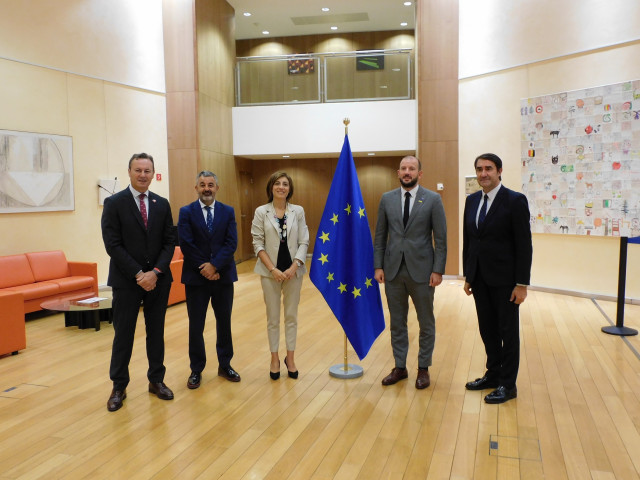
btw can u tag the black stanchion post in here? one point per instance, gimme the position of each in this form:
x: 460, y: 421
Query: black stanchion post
x: 619, y: 328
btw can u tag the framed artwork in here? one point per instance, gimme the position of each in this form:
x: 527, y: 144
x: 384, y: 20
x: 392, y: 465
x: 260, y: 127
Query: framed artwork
x: 370, y: 62
x: 471, y: 185
x: 301, y: 65
x: 580, y: 154
x: 36, y: 172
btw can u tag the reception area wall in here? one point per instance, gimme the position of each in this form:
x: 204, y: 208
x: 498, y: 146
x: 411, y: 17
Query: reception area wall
x: 100, y: 82
x: 519, y: 50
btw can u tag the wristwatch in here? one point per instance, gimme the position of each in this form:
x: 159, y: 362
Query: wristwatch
x: 299, y: 262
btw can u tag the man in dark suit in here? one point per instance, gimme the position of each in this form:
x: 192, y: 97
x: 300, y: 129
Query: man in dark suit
x: 411, y: 221
x: 208, y: 239
x: 138, y: 236
x: 497, y: 254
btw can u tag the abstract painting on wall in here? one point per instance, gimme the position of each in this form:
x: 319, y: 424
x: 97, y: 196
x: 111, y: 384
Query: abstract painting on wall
x: 36, y: 172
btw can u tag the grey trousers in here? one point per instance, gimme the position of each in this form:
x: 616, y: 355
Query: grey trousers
x: 398, y: 292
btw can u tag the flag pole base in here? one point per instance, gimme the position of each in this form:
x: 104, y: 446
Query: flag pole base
x: 624, y: 331
x: 351, y: 371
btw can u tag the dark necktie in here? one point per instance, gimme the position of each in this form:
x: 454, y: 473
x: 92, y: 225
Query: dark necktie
x: 407, y: 205
x: 143, y: 209
x: 209, y: 219
x: 483, y: 210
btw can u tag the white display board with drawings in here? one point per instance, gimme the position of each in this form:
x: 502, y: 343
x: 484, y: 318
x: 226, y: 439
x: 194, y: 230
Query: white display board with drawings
x: 581, y: 160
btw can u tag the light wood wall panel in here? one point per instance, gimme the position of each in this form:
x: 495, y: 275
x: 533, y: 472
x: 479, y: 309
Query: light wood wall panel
x: 437, y: 59
x: 200, y: 72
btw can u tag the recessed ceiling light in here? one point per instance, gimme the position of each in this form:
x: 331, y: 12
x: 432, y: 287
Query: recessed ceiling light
x: 403, y: 24
x: 371, y: 154
x: 325, y: 9
x: 395, y: 69
x: 334, y: 28
x: 285, y: 156
x: 265, y: 32
x: 407, y: 4
x: 247, y: 14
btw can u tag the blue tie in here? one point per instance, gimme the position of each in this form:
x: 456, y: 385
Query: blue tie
x: 483, y: 211
x: 209, y: 219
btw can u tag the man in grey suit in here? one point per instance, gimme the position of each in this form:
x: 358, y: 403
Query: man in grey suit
x: 410, y: 251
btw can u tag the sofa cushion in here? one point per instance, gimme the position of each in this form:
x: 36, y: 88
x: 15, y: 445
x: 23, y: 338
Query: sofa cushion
x: 36, y: 290
x: 69, y: 284
x: 48, y: 265
x: 15, y: 270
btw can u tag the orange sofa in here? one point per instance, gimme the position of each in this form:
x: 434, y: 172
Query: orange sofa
x: 12, y: 329
x: 41, y: 276
x: 176, y: 294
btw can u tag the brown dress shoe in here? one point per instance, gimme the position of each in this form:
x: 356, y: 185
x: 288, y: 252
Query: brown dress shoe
x: 161, y: 390
x: 115, y: 399
x: 423, y: 380
x: 395, y: 376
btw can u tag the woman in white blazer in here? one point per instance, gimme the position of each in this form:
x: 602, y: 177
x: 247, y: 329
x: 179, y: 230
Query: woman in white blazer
x: 280, y: 241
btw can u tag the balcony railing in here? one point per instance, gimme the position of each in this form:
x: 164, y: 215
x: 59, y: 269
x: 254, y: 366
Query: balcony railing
x: 327, y: 77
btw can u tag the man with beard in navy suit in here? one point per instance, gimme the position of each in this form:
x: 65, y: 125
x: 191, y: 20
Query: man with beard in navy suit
x: 208, y: 238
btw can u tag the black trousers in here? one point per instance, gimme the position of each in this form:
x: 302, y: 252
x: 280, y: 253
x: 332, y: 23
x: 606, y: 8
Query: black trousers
x: 198, y: 297
x: 126, y: 307
x: 499, y: 325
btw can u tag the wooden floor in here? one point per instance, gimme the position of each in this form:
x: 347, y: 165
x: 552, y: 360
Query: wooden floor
x: 577, y: 414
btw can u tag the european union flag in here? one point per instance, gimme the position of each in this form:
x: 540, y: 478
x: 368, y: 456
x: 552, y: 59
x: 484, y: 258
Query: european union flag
x: 634, y: 240
x: 342, y: 265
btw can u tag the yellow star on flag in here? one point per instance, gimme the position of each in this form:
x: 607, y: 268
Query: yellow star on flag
x: 324, y: 258
x: 334, y: 219
x: 330, y: 277
x: 324, y: 237
x: 348, y: 209
x: 342, y: 288
x: 367, y: 282
x: 361, y: 212
x: 356, y: 292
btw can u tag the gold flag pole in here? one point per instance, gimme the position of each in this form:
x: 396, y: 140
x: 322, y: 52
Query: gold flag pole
x: 346, y: 370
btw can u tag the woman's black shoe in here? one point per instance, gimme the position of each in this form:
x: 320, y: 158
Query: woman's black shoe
x: 291, y: 374
x: 275, y: 375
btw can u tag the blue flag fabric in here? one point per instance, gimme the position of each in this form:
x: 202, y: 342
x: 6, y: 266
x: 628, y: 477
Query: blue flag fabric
x: 634, y: 240
x: 342, y: 265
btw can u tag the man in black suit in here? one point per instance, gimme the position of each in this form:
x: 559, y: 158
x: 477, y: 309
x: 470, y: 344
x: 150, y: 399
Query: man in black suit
x: 497, y: 254
x: 138, y: 236
x: 208, y: 238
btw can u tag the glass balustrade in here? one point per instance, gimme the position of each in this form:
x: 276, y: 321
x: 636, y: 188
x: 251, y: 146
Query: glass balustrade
x: 328, y: 77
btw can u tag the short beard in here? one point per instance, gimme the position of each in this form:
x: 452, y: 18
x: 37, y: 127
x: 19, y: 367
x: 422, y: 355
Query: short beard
x: 411, y: 184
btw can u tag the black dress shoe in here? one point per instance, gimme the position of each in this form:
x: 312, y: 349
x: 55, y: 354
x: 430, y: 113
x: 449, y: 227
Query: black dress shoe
x: 228, y: 373
x: 161, y: 391
x: 395, y: 376
x: 194, y: 380
x: 501, y: 394
x: 115, y: 399
x: 291, y: 374
x: 482, y: 383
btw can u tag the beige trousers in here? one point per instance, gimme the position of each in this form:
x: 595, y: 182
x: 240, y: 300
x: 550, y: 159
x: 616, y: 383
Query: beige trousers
x: 289, y: 293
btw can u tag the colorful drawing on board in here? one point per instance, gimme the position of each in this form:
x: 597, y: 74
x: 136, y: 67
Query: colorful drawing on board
x: 580, y: 156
